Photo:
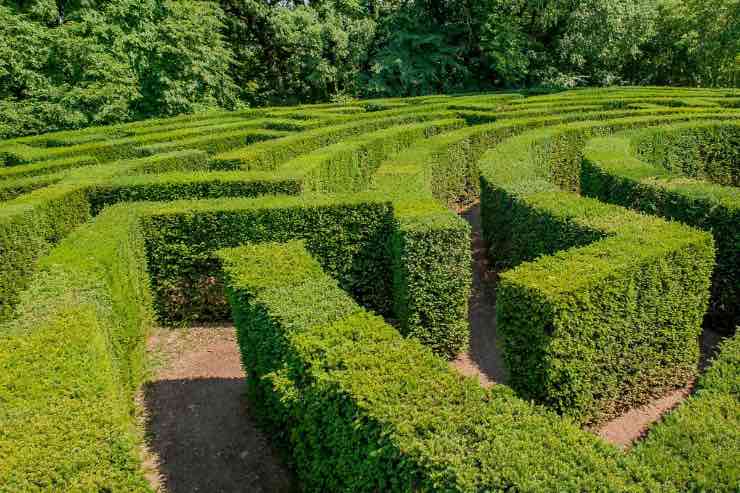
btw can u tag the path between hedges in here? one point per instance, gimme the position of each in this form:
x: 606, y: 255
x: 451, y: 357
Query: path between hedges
x: 484, y: 357
x: 201, y: 437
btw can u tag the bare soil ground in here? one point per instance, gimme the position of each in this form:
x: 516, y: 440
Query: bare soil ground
x: 201, y: 437
x: 484, y: 356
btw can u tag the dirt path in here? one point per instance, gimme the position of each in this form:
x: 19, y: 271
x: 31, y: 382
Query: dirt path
x: 201, y: 436
x: 484, y: 357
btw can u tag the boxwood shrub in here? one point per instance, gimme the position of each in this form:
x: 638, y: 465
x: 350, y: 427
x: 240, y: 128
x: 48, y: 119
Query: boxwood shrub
x: 616, y: 170
x: 358, y: 406
x: 606, y: 312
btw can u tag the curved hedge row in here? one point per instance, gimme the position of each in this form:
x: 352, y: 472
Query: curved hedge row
x: 688, y: 172
x: 105, y: 230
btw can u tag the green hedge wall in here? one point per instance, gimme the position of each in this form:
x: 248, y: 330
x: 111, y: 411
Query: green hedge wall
x: 709, y: 151
x: 270, y: 155
x: 350, y: 237
x: 430, y: 255
x: 613, y: 173
x: 608, y: 313
x: 348, y: 166
x: 29, y: 226
x: 362, y: 409
x: 190, y: 185
x: 695, y: 447
x: 358, y: 406
x: 70, y: 363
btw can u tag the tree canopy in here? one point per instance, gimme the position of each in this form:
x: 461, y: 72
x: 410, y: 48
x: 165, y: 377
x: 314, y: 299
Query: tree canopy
x: 71, y: 63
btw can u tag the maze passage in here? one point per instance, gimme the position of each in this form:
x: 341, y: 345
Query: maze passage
x: 325, y: 232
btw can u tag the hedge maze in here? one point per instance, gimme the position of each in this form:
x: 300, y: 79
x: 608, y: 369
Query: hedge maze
x: 325, y: 232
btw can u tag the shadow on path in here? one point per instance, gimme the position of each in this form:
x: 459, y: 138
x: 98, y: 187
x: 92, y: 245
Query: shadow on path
x: 484, y: 356
x: 199, y: 427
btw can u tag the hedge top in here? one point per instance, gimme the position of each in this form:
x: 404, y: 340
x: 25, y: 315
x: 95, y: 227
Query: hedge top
x: 104, y: 229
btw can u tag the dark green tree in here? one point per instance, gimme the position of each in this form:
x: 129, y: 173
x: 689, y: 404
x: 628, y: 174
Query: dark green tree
x: 67, y: 64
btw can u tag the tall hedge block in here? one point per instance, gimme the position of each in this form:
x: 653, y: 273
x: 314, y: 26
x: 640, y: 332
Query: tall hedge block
x: 591, y: 332
x: 615, y: 172
x: 431, y: 281
x: 350, y: 239
x: 359, y: 408
x: 70, y: 362
x: 606, y: 312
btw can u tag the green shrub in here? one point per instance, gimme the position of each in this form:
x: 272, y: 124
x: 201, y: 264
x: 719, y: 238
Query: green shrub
x: 695, y: 447
x: 359, y: 407
x: 608, y: 312
x: 29, y: 226
x: 70, y: 363
x: 708, y: 151
x: 348, y: 166
x: 189, y: 185
x: 45, y: 167
x: 349, y: 236
x: 614, y: 173
x: 362, y: 409
x: 218, y: 142
x: 270, y: 155
x: 130, y: 146
x: 10, y: 189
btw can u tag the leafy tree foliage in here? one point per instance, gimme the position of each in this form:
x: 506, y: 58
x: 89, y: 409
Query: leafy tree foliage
x: 697, y: 43
x: 413, y: 57
x: 70, y: 63
x: 297, y: 53
x: 74, y: 63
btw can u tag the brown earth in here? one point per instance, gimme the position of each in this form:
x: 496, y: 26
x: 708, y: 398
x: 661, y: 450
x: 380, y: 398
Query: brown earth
x: 483, y: 359
x: 201, y: 437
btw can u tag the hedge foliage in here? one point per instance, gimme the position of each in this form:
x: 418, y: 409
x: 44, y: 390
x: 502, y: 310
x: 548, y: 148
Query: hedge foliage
x: 71, y: 360
x: 363, y: 409
x: 643, y: 171
x: 98, y: 239
x: 606, y: 311
x: 359, y: 408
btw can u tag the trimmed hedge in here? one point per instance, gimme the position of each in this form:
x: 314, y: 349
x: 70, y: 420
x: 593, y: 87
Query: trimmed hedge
x: 9, y: 189
x: 70, y: 362
x: 708, y: 151
x: 218, y: 142
x: 189, y: 185
x: 44, y: 167
x: 348, y: 166
x: 695, y: 448
x: 358, y: 408
x: 362, y: 409
x: 430, y: 254
x: 270, y: 155
x: 129, y: 147
x: 28, y: 229
x: 613, y: 172
x: 608, y: 313
x: 349, y: 237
